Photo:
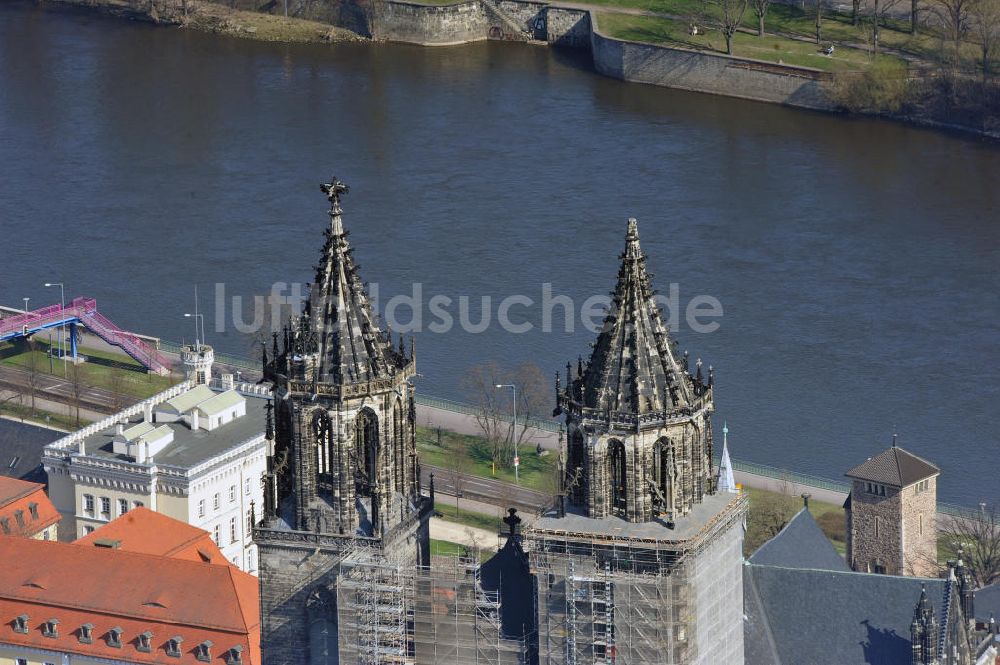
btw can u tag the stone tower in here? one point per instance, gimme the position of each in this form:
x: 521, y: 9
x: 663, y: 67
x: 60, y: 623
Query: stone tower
x: 891, y: 515
x: 343, y: 475
x: 644, y: 563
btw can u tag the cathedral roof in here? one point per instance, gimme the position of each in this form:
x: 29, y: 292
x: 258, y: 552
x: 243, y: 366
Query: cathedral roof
x: 352, y: 347
x: 800, y: 544
x: 796, y: 616
x: 632, y: 368
x: 894, y: 466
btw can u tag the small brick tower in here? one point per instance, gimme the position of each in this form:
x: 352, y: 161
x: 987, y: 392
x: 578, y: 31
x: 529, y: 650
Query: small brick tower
x: 891, y: 515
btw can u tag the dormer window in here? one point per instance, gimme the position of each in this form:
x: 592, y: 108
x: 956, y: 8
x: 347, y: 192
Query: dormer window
x: 145, y: 643
x: 21, y: 624
x: 4, y: 525
x: 235, y: 655
x: 51, y: 628
x: 115, y: 638
x: 19, y: 517
x: 33, y: 509
x: 174, y: 646
x: 203, y: 651
x: 87, y: 633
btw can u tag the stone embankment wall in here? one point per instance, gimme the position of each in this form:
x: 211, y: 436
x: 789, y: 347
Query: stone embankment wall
x: 433, y: 24
x: 708, y: 72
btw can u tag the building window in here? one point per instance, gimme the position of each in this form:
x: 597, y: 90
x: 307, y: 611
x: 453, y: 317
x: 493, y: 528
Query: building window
x: 19, y: 518
x: 920, y: 524
x: 246, y: 487
x: 875, y: 488
x: 232, y: 530
x: 105, y: 508
x: 878, y: 568
x: 215, y: 535
x: 232, y: 494
x: 33, y: 509
x: 88, y: 505
x: 4, y: 525
x: 51, y: 628
x: 88, y: 529
x: 174, y: 646
x: 122, y: 507
x: 22, y: 661
x: 215, y: 501
x: 877, y: 520
x: 923, y: 486
x: 201, y: 508
x: 137, y: 504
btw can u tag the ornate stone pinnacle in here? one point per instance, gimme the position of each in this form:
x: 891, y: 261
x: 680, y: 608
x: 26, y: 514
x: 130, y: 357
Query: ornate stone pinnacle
x: 333, y: 190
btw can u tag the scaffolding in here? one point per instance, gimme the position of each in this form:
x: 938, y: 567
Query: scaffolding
x: 391, y: 613
x: 614, y: 600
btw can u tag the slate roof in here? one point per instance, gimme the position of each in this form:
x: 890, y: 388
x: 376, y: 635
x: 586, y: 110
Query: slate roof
x: 21, y: 449
x: 825, y: 617
x: 987, y: 602
x: 801, y: 544
x: 894, y: 466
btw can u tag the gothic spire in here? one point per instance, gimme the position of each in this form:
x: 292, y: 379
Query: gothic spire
x: 352, y: 348
x: 633, y: 368
x: 727, y: 483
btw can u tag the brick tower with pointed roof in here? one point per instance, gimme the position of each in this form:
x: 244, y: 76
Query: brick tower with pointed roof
x: 342, y: 475
x: 640, y: 561
x: 892, y: 514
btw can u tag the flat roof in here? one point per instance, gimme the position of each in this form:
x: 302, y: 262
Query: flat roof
x: 189, y: 448
x: 684, y: 527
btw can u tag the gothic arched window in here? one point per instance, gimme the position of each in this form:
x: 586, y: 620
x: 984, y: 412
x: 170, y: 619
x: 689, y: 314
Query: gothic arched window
x: 664, y: 473
x: 323, y: 436
x: 320, y: 612
x: 575, y: 470
x: 399, y: 447
x: 618, y: 478
x: 366, y: 452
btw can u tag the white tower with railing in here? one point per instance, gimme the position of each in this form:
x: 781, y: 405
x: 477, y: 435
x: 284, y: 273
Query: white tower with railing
x: 197, y: 360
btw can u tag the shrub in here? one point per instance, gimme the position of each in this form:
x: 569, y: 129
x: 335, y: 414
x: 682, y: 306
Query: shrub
x: 882, y: 88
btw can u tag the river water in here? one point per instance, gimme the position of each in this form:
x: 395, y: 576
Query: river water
x: 856, y: 261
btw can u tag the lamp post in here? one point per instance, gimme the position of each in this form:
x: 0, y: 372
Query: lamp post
x: 513, y: 430
x: 197, y: 341
x: 62, y: 305
x: 26, y: 304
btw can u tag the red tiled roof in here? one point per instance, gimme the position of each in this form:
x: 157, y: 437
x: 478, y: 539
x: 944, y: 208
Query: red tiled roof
x: 137, y: 592
x: 145, y: 531
x: 19, y: 495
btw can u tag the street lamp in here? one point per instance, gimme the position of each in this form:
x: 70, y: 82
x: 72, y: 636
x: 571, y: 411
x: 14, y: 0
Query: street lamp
x: 62, y: 304
x: 26, y: 304
x: 197, y: 342
x: 513, y: 430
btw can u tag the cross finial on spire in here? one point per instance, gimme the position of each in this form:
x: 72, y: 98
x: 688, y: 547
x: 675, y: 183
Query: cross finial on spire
x: 894, y: 435
x: 333, y: 190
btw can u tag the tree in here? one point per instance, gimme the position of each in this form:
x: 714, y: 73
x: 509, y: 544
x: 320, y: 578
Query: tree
x: 32, y: 378
x: 977, y: 534
x: 880, y: 10
x: 768, y: 514
x: 819, y: 21
x: 914, y: 16
x: 479, y: 384
x: 115, y: 383
x: 855, y: 12
x: 985, y: 16
x: 954, y: 18
x: 760, y: 8
x: 728, y: 17
x: 534, y: 398
x: 76, y: 388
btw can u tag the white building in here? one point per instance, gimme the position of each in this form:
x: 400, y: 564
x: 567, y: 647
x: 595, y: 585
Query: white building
x: 193, y: 452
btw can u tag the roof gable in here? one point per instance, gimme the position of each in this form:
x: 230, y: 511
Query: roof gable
x: 188, y: 400
x: 28, y: 501
x: 894, y: 466
x: 145, y: 531
x: 800, y: 544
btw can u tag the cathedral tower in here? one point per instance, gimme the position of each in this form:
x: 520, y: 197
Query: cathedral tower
x: 641, y: 560
x: 343, y: 475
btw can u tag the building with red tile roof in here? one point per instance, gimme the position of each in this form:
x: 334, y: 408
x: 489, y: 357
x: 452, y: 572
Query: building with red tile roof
x: 143, y: 589
x: 25, y: 510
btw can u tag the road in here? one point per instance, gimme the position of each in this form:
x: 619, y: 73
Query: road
x: 59, y: 389
x: 485, y: 490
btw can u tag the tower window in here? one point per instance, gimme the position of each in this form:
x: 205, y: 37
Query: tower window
x: 920, y: 524
x: 877, y: 521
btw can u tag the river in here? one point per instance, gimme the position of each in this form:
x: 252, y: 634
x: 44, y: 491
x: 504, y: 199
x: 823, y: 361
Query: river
x: 856, y: 260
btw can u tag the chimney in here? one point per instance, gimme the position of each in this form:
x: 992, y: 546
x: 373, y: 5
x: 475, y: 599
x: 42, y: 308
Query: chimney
x: 195, y: 419
x: 227, y: 382
x: 147, y: 412
x: 119, y: 428
x: 82, y: 448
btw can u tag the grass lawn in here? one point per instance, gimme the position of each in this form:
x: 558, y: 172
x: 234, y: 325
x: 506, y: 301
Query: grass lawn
x: 469, y: 517
x: 471, y: 455
x: 770, y: 48
x: 118, y: 373
x: 448, y: 548
x: 25, y: 413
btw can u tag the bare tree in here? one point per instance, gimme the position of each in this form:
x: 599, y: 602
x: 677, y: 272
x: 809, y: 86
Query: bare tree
x: 728, y: 17
x: 77, y: 386
x: 819, y: 21
x: 32, y: 378
x: 879, y: 12
x: 985, y: 16
x: 769, y: 513
x: 914, y: 16
x: 954, y: 17
x: 977, y: 534
x: 479, y: 384
x: 533, y: 398
x: 115, y: 383
x: 759, y: 8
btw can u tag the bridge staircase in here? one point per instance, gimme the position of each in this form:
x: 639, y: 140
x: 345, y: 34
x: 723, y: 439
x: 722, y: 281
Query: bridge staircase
x: 83, y: 311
